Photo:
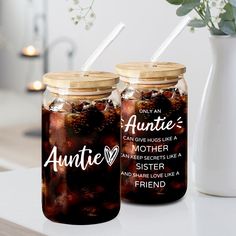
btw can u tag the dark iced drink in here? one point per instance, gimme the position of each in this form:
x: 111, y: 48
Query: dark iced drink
x: 80, y: 153
x: 153, y: 133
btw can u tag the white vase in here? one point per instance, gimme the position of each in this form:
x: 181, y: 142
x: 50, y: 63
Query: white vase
x: 215, y: 136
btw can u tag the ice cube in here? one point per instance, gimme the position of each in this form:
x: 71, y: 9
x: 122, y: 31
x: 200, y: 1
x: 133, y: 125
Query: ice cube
x: 60, y: 105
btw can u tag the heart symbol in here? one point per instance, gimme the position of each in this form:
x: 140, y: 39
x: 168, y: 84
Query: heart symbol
x: 111, y: 154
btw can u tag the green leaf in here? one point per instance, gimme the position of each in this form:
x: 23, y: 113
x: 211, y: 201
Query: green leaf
x: 197, y: 23
x: 227, y: 22
x: 234, y: 13
x: 228, y: 27
x: 232, y: 2
x: 207, y: 15
x: 175, y: 2
x: 228, y: 15
x: 187, y: 6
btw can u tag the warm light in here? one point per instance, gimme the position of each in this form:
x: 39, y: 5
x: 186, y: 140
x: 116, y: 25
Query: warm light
x: 30, y: 51
x: 36, y: 86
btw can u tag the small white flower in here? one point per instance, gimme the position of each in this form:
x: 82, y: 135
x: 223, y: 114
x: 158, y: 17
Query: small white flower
x: 83, y: 13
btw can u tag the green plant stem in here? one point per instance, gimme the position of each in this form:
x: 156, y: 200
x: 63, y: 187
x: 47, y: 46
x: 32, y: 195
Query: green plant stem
x: 208, y: 7
x: 203, y: 18
x: 89, y: 8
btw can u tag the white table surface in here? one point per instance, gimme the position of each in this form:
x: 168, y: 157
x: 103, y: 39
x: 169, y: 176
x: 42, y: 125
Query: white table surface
x: 194, y: 215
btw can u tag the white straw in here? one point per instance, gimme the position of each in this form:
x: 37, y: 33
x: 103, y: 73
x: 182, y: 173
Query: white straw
x: 179, y: 28
x: 106, y: 42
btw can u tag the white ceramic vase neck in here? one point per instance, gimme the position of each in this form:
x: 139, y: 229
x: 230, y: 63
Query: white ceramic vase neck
x: 215, y: 136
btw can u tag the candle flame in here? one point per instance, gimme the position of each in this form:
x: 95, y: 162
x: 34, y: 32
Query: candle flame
x: 37, y: 85
x: 30, y: 51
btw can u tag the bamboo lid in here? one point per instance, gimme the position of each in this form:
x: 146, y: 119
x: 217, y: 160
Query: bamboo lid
x: 81, y: 80
x: 162, y: 72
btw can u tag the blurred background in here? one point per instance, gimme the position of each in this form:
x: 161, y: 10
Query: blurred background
x: 40, y: 36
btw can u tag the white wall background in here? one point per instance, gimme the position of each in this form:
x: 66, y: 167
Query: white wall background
x: 148, y: 23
